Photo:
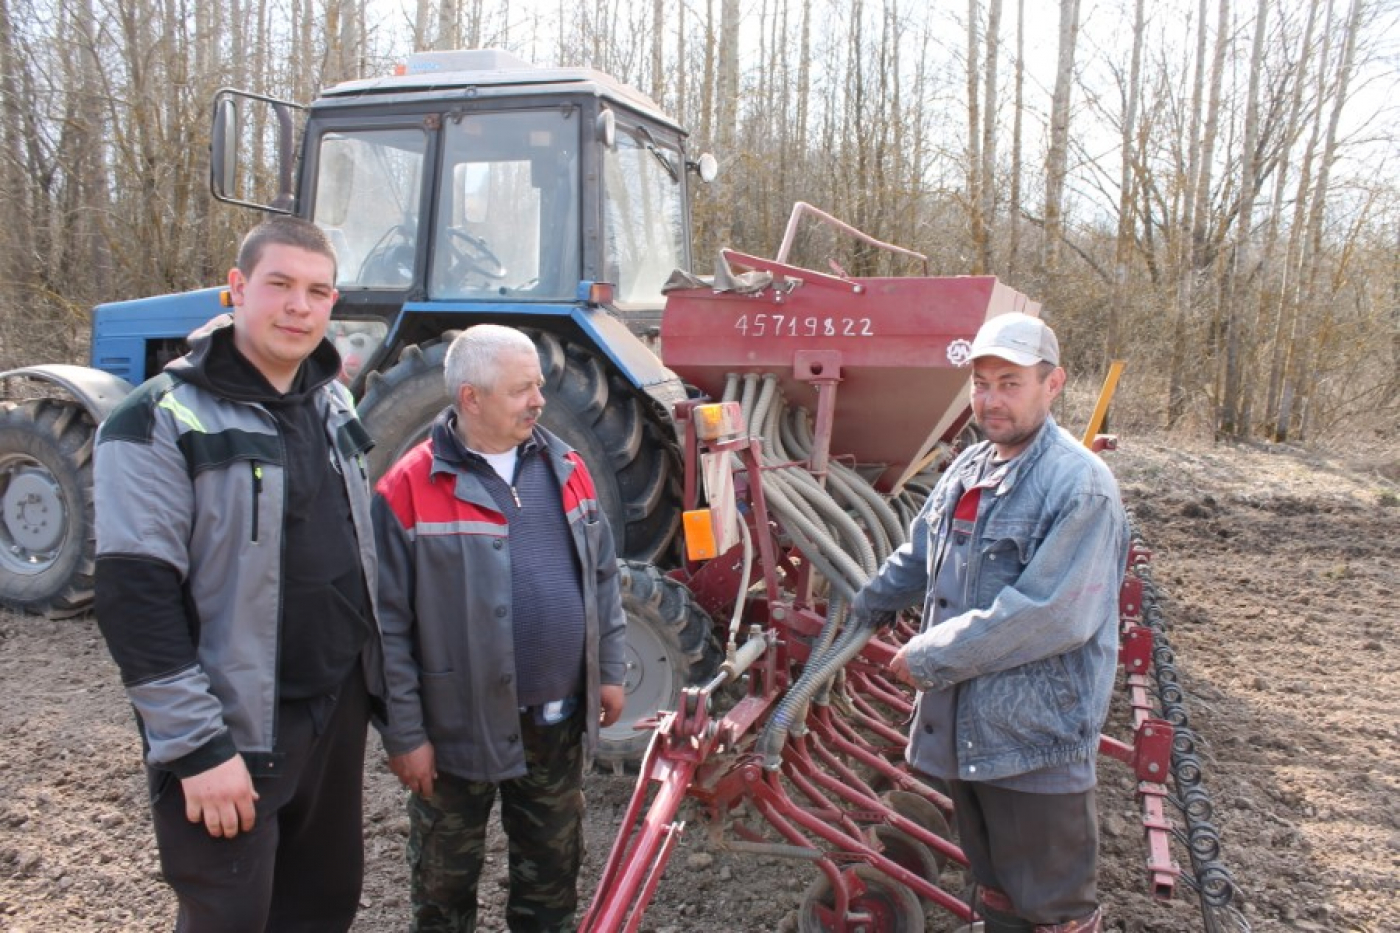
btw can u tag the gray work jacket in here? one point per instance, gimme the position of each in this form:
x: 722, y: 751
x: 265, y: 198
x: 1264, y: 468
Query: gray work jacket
x: 445, y: 603
x: 189, y: 479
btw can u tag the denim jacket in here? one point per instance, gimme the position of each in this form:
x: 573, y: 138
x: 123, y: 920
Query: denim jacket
x: 1034, y: 643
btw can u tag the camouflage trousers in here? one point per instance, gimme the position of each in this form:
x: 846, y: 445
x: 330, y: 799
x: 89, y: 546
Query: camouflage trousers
x: 542, y: 813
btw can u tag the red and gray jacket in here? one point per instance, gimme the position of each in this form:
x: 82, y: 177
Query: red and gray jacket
x: 444, y: 602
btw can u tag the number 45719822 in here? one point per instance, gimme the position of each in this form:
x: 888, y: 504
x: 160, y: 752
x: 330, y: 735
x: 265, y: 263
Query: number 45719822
x: 792, y: 325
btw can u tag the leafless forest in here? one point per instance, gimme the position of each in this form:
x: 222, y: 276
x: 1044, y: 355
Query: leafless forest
x: 1205, y: 189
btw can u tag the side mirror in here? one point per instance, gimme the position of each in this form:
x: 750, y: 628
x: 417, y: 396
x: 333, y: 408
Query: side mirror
x: 606, y: 128
x: 223, y: 148
x: 237, y: 114
x: 707, y: 167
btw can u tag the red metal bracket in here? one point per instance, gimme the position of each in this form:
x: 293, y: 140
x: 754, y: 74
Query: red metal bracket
x: 1130, y: 599
x: 1135, y: 649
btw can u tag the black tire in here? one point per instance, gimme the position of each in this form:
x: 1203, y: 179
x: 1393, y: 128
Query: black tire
x: 670, y: 644
x: 634, y: 460
x: 400, y: 404
x: 635, y: 465
x: 917, y: 809
x: 892, y: 907
x: 48, y: 541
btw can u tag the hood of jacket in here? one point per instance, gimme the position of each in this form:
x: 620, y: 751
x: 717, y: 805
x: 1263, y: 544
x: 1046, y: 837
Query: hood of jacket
x: 216, y: 364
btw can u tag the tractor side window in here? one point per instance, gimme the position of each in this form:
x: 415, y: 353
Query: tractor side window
x: 508, y: 206
x: 644, y: 233
x: 368, y: 190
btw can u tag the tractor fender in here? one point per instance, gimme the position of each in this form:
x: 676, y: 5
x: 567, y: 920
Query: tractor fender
x: 99, y: 391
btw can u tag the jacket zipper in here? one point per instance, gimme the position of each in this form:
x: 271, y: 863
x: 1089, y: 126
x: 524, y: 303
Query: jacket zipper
x: 257, y: 496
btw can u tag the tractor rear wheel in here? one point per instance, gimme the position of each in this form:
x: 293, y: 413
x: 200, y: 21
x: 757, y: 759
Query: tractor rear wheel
x: 670, y: 645
x: 633, y: 462
x: 47, y: 539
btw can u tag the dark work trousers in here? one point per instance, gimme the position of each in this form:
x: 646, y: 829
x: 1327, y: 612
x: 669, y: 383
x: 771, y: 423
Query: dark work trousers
x: 542, y: 813
x: 300, y: 867
x: 1041, y: 850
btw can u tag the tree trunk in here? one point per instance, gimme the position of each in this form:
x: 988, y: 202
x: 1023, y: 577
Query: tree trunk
x: 1185, y: 248
x: 989, y: 136
x: 977, y: 224
x: 1127, y: 196
x: 1057, y: 159
x: 1014, y: 208
x: 658, y: 52
x: 1230, y: 418
x: 727, y: 95
x: 1315, y: 298
x: 1275, y: 303
x: 446, y: 37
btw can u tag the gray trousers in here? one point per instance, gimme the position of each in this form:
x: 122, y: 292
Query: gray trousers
x: 1040, y: 850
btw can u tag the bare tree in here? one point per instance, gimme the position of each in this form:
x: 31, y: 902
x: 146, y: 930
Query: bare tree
x: 1130, y: 162
x: 989, y: 134
x: 1231, y: 418
x: 1018, y: 109
x: 1057, y: 159
x: 1284, y: 308
x: 975, y: 164
x: 447, y: 36
x: 1199, y: 145
x: 1303, y: 385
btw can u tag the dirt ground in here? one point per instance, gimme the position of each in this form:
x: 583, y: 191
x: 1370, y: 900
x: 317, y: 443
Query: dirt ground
x: 1280, y: 579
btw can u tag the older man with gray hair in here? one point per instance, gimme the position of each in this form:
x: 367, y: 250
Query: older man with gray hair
x: 503, y: 638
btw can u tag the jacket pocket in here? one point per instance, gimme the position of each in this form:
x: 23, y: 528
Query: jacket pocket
x: 1004, y: 550
x: 443, y: 704
x: 158, y: 783
x: 1028, y: 706
x: 592, y: 540
x: 257, y: 495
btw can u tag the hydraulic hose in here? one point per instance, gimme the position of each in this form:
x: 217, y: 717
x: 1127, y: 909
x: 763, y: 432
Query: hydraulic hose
x: 797, y: 435
x: 793, y: 706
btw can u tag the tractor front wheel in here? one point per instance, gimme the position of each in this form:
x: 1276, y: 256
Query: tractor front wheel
x: 670, y: 645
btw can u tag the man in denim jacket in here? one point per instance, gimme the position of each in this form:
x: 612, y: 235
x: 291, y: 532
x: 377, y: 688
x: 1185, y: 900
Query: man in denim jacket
x: 1017, y: 557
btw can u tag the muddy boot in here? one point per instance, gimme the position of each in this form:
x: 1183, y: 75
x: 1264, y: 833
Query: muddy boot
x: 999, y: 914
x: 1090, y: 924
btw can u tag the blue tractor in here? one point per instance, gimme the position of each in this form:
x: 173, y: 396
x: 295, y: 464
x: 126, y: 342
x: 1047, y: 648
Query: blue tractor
x: 473, y: 187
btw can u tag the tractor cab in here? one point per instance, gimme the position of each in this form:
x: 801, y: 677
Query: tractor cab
x: 476, y: 183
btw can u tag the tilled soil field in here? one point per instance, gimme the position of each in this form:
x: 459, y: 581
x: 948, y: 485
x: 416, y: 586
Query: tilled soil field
x: 1280, y: 579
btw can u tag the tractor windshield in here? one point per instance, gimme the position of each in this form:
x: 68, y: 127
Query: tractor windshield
x: 368, y: 192
x: 644, y: 232
x: 508, y: 206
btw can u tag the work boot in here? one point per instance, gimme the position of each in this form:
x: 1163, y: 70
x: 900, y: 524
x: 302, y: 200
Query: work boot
x: 999, y: 914
x: 1090, y: 924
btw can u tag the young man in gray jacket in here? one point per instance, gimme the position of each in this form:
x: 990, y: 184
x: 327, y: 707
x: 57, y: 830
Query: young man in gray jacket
x: 235, y: 589
x: 504, y: 639
x: 1017, y: 557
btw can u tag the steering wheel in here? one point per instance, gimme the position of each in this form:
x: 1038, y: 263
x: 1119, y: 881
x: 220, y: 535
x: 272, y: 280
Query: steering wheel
x: 470, y: 254
x: 390, y: 261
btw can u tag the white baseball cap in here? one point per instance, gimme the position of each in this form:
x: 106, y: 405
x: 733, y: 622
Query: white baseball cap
x: 1019, y: 338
